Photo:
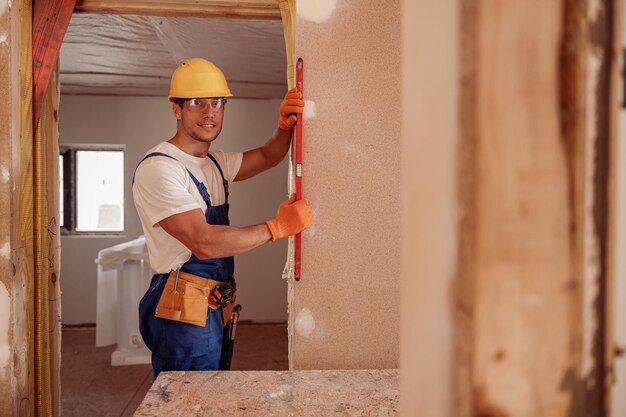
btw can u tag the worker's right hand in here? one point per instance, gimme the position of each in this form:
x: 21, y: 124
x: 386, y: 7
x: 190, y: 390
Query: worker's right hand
x: 292, y: 218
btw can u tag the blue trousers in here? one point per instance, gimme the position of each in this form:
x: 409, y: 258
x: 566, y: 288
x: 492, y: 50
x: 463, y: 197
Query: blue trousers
x: 178, y: 346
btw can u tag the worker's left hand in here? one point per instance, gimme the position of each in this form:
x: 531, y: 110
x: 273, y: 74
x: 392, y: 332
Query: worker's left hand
x: 292, y: 217
x: 291, y: 105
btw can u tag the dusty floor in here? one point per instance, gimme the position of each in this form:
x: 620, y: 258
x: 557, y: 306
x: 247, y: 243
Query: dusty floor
x: 91, y: 387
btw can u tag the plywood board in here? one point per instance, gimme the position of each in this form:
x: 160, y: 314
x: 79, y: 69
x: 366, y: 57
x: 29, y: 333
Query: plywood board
x: 345, y: 310
x: 372, y: 393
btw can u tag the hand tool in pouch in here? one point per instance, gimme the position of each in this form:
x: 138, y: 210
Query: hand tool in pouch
x: 228, y: 339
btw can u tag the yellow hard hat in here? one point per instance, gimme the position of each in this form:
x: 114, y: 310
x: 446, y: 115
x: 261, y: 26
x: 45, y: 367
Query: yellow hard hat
x: 197, y: 78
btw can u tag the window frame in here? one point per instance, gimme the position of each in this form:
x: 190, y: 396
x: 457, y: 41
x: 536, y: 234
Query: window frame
x: 68, y: 151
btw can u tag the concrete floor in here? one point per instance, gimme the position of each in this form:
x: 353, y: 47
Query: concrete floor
x: 91, y: 387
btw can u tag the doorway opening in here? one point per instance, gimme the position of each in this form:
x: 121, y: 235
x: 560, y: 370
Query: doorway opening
x: 114, y: 77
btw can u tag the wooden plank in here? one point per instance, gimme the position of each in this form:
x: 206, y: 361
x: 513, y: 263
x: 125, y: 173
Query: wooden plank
x: 16, y: 380
x: 540, y: 248
x: 614, y: 381
x: 49, y: 130
x: 226, y: 9
x: 524, y: 362
x: 605, y: 44
x: 50, y: 21
x: 232, y: 3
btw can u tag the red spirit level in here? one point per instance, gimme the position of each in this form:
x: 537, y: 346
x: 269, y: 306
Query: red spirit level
x: 298, y: 238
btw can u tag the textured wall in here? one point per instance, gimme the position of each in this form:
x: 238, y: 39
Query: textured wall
x: 345, y: 308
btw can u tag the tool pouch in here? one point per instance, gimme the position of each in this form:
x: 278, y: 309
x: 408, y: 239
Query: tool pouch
x: 189, y: 300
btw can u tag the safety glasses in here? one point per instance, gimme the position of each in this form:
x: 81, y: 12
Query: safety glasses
x: 199, y: 105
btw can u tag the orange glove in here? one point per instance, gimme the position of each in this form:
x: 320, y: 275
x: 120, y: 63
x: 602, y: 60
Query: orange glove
x: 292, y: 217
x: 291, y: 105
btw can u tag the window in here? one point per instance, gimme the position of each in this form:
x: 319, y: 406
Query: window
x: 91, y: 189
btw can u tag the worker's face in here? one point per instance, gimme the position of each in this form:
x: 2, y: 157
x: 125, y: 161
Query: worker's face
x: 200, y: 119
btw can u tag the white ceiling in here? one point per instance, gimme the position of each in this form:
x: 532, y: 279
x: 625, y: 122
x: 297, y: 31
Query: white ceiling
x: 135, y: 55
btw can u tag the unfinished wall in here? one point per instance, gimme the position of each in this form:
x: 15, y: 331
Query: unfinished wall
x: 344, y: 312
x: 506, y: 178
x: 122, y: 120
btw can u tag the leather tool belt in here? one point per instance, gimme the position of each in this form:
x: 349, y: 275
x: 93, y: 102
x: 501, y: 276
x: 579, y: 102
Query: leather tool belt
x: 186, y: 298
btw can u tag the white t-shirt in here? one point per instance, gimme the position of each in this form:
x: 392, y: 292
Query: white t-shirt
x: 163, y: 188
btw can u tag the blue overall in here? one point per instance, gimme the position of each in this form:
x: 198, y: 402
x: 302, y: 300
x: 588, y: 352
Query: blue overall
x: 180, y: 346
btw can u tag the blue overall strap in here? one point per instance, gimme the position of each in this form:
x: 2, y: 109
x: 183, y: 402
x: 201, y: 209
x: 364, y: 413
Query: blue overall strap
x: 201, y: 188
x: 219, y: 168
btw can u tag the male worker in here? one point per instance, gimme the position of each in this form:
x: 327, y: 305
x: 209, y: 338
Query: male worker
x: 181, y: 194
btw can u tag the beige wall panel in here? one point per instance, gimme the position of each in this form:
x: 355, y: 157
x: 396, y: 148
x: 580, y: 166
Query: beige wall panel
x: 430, y: 137
x: 345, y: 310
